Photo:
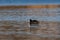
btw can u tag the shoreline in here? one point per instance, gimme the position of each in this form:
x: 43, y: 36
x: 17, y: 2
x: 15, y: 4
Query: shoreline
x: 29, y: 6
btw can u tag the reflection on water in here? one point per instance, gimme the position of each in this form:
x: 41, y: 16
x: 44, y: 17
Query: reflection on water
x: 25, y: 18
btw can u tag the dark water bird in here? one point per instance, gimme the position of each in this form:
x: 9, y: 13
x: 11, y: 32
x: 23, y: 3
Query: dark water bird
x: 34, y: 22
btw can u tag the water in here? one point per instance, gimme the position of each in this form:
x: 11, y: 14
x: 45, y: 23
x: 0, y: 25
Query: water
x: 12, y: 15
x: 25, y: 18
x: 28, y: 2
x: 23, y: 14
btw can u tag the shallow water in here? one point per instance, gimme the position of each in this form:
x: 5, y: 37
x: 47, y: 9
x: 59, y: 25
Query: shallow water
x: 22, y: 30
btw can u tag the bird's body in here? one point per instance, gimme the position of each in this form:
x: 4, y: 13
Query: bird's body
x: 33, y: 22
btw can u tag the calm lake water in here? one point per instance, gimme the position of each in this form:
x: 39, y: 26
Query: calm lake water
x: 23, y: 14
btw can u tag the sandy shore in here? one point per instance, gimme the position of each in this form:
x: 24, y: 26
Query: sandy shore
x: 30, y: 6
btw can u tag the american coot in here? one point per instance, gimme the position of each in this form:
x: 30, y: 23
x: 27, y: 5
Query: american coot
x: 34, y: 22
